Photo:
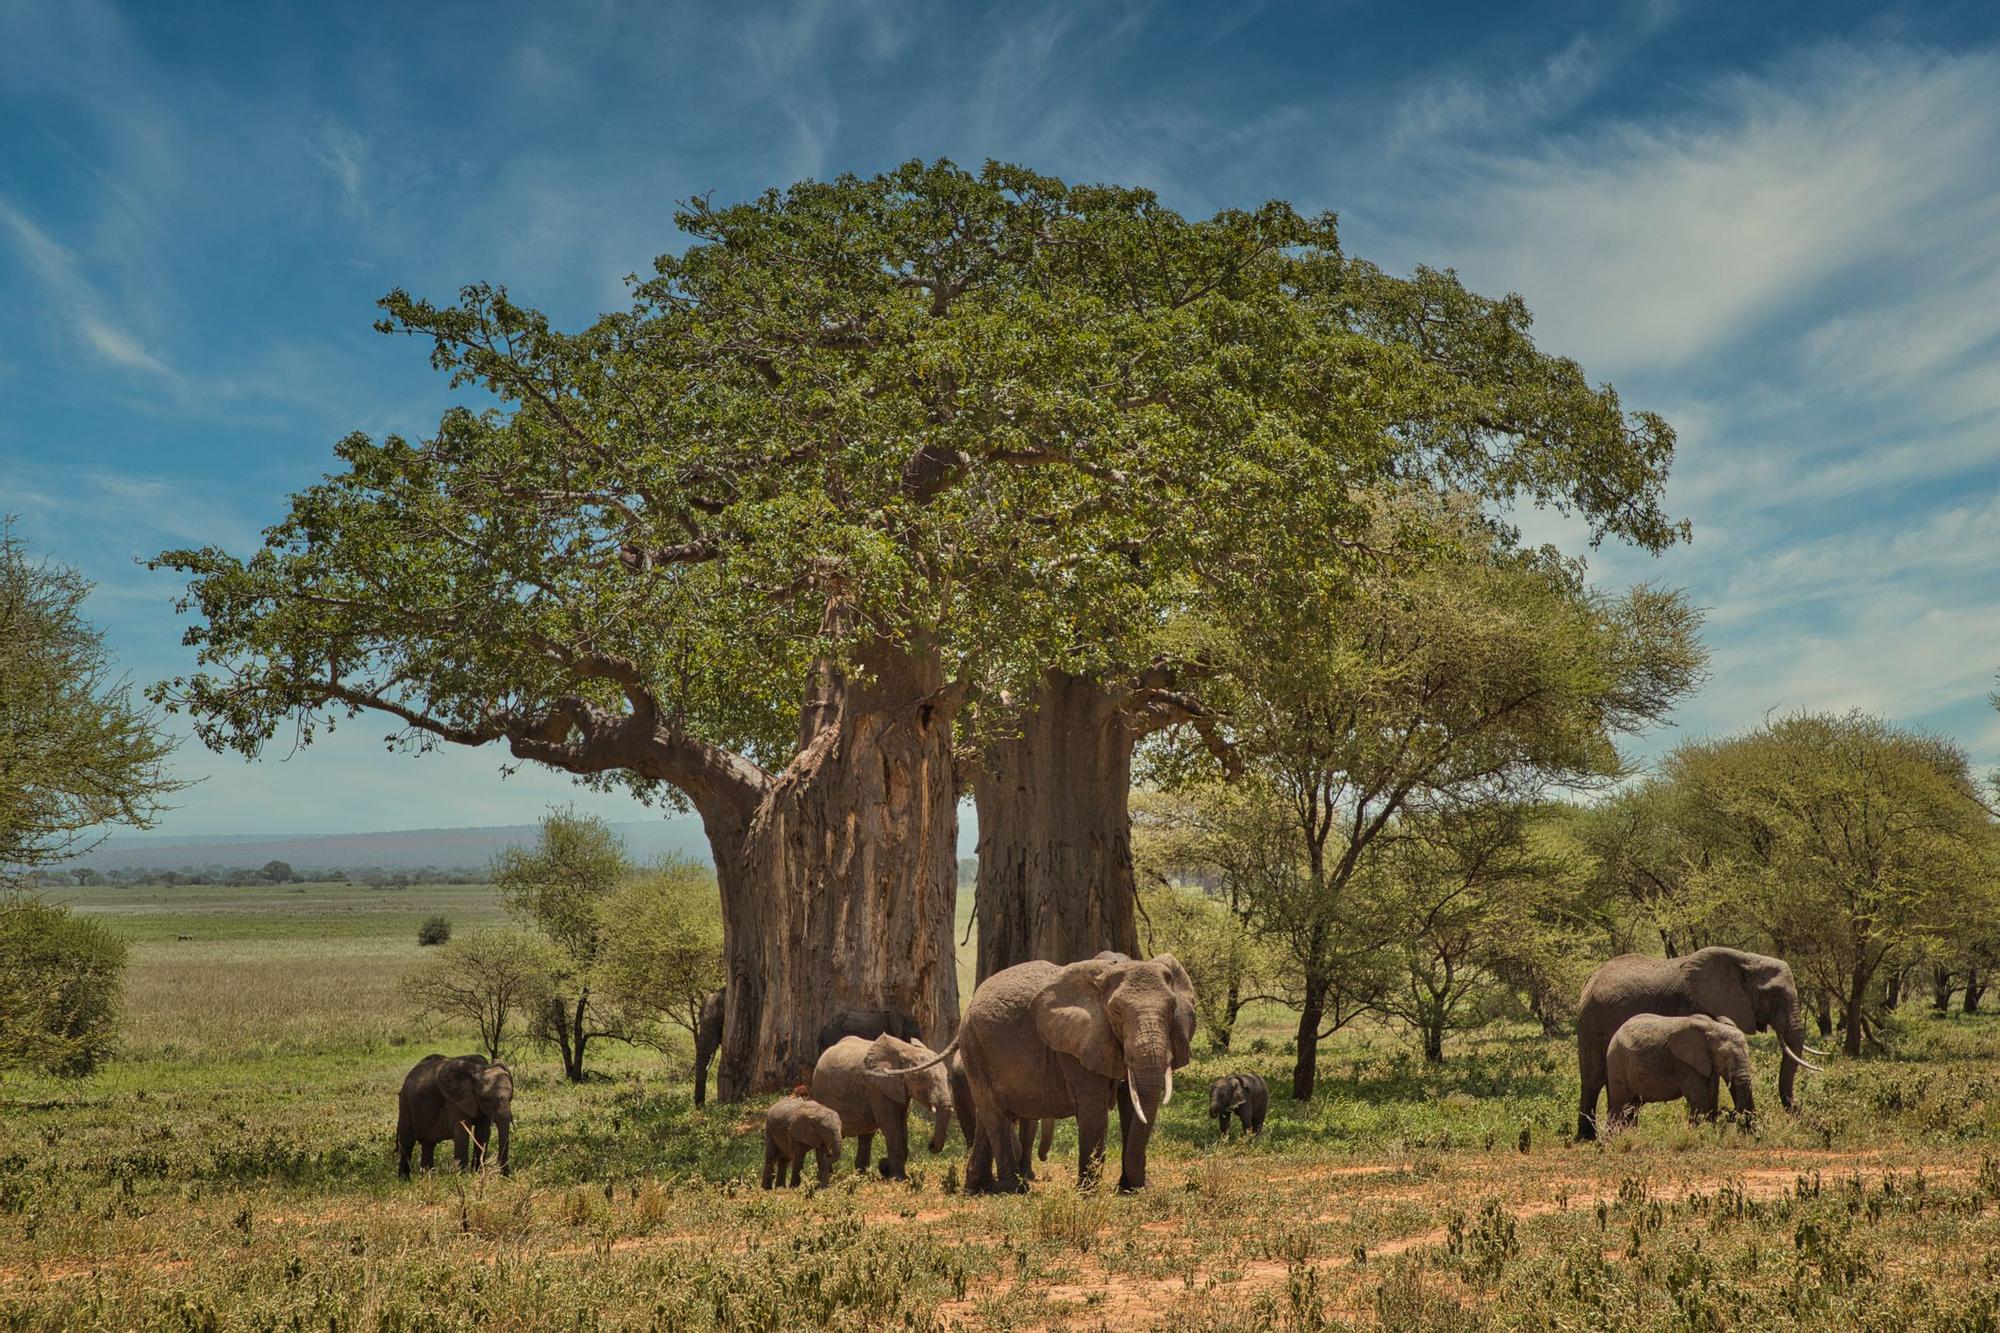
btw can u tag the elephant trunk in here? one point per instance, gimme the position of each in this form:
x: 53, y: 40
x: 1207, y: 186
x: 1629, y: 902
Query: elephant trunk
x: 1739, y: 1094
x: 1793, y: 1035
x: 941, y: 1115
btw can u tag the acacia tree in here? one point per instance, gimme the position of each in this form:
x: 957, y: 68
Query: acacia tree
x: 865, y: 450
x: 1452, y: 389
x: 1468, y: 674
x: 78, y: 752
x: 560, y: 885
x: 1843, y: 840
x: 487, y: 978
x: 662, y: 954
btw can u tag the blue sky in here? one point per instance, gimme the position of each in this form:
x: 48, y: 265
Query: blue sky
x: 1779, y: 224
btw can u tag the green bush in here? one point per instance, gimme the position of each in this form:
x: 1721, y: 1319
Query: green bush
x: 435, y: 930
x: 59, y: 978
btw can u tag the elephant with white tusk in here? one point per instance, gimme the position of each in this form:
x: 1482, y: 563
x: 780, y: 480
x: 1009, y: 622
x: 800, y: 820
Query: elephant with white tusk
x: 1754, y: 991
x: 1042, y: 1041
x: 870, y: 1085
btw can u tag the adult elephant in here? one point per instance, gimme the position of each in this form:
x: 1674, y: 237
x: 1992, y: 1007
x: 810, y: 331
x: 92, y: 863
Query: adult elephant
x: 1041, y: 1041
x: 458, y: 1097
x: 707, y: 1041
x: 868, y: 1024
x: 1752, y: 990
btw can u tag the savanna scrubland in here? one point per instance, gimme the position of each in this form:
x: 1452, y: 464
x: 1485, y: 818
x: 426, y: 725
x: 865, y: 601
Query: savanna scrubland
x: 888, y: 493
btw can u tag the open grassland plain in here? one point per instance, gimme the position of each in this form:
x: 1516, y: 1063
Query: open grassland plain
x: 235, y: 1170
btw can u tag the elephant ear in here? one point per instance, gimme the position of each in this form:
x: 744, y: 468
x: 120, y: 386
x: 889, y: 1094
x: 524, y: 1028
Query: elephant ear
x: 458, y: 1080
x: 1182, y: 986
x: 887, y: 1057
x: 1690, y: 1045
x: 1069, y: 1016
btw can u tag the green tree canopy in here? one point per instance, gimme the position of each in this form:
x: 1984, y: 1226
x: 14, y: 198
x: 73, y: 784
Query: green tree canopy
x: 865, y: 449
x: 77, y: 751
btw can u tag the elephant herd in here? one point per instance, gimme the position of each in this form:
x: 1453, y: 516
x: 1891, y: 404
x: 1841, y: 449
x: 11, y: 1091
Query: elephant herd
x: 1042, y: 1042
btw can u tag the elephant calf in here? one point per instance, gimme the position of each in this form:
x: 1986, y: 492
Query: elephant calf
x: 793, y: 1127
x: 461, y: 1098
x: 1658, y: 1059
x: 868, y: 1085
x: 1243, y: 1094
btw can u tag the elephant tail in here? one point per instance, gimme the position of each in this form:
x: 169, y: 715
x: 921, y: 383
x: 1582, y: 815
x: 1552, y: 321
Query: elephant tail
x: 937, y: 1059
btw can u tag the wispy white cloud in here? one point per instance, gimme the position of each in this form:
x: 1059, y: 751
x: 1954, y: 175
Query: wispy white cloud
x: 74, y: 298
x: 344, y: 154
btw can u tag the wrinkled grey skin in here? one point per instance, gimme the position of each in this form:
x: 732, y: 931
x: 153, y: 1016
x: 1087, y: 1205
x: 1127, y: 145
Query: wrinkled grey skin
x: 1243, y: 1095
x: 793, y: 1127
x: 870, y: 1086
x: 868, y: 1023
x: 1655, y: 1059
x: 1753, y: 991
x: 707, y: 1041
x: 961, y: 1096
x: 458, y: 1097
x: 1044, y: 1041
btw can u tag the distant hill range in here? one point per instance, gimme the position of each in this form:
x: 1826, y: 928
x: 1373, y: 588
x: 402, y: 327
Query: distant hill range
x: 404, y: 849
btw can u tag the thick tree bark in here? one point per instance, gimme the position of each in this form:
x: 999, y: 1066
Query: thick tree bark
x: 1055, y: 842
x: 1942, y: 985
x: 1975, y: 990
x: 839, y: 888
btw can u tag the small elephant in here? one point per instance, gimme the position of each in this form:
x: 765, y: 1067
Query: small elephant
x: 868, y: 1024
x: 461, y: 1098
x: 1243, y: 1094
x: 867, y: 1084
x: 1659, y: 1059
x: 707, y: 1041
x: 793, y: 1127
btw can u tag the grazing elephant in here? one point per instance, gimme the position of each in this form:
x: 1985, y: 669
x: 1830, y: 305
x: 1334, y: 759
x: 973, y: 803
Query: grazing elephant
x: 868, y: 1084
x: 1046, y: 1041
x: 869, y: 1024
x: 1656, y: 1059
x: 1243, y: 1094
x: 707, y: 1041
x: 1753, y: 991
x: 961, y: 1097
x: 793, y: 1127
x: 461, y: 1098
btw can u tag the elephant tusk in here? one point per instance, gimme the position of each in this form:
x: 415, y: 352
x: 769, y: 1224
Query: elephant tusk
x: 1131, y: 1091
x: 1801, y: 1059
x: 1814, y: 1050
x: 1170, y: 1086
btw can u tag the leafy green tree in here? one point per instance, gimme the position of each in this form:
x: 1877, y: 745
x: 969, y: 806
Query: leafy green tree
x: 492, y: 980
x: 662, y: 948
x: 278, y: 872
x: 77, y: 752
x: 1204, y: 856
x: 865, y: 450
x: 59, y: 983
x: 1466, y: 673
x: 1843, y: 841
x: 560, y: 886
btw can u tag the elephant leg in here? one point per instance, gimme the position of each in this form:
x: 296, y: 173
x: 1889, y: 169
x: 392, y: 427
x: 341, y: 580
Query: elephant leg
x: 1590, y: 1067
x: 770, y: 1161
x: 798, y: 1160
x: 430, y: 1152
x: 1048, y: 1139
x: 864, y: 1149
x: 979, y: 1163
x: 482, y: 1134
x: 1024, y: 1134
x: 406, y: 1142
x: 461, y: 1145
x: 1093, y: 1122
x: 700, y: 1082
x: 895, y: 1143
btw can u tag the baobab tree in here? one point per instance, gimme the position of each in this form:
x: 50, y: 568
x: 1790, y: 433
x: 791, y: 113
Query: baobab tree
x: 867, y: 451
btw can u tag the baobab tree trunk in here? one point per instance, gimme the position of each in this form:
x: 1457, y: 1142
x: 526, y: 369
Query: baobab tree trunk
x: 1055, y: 830
x: 839, y: 887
